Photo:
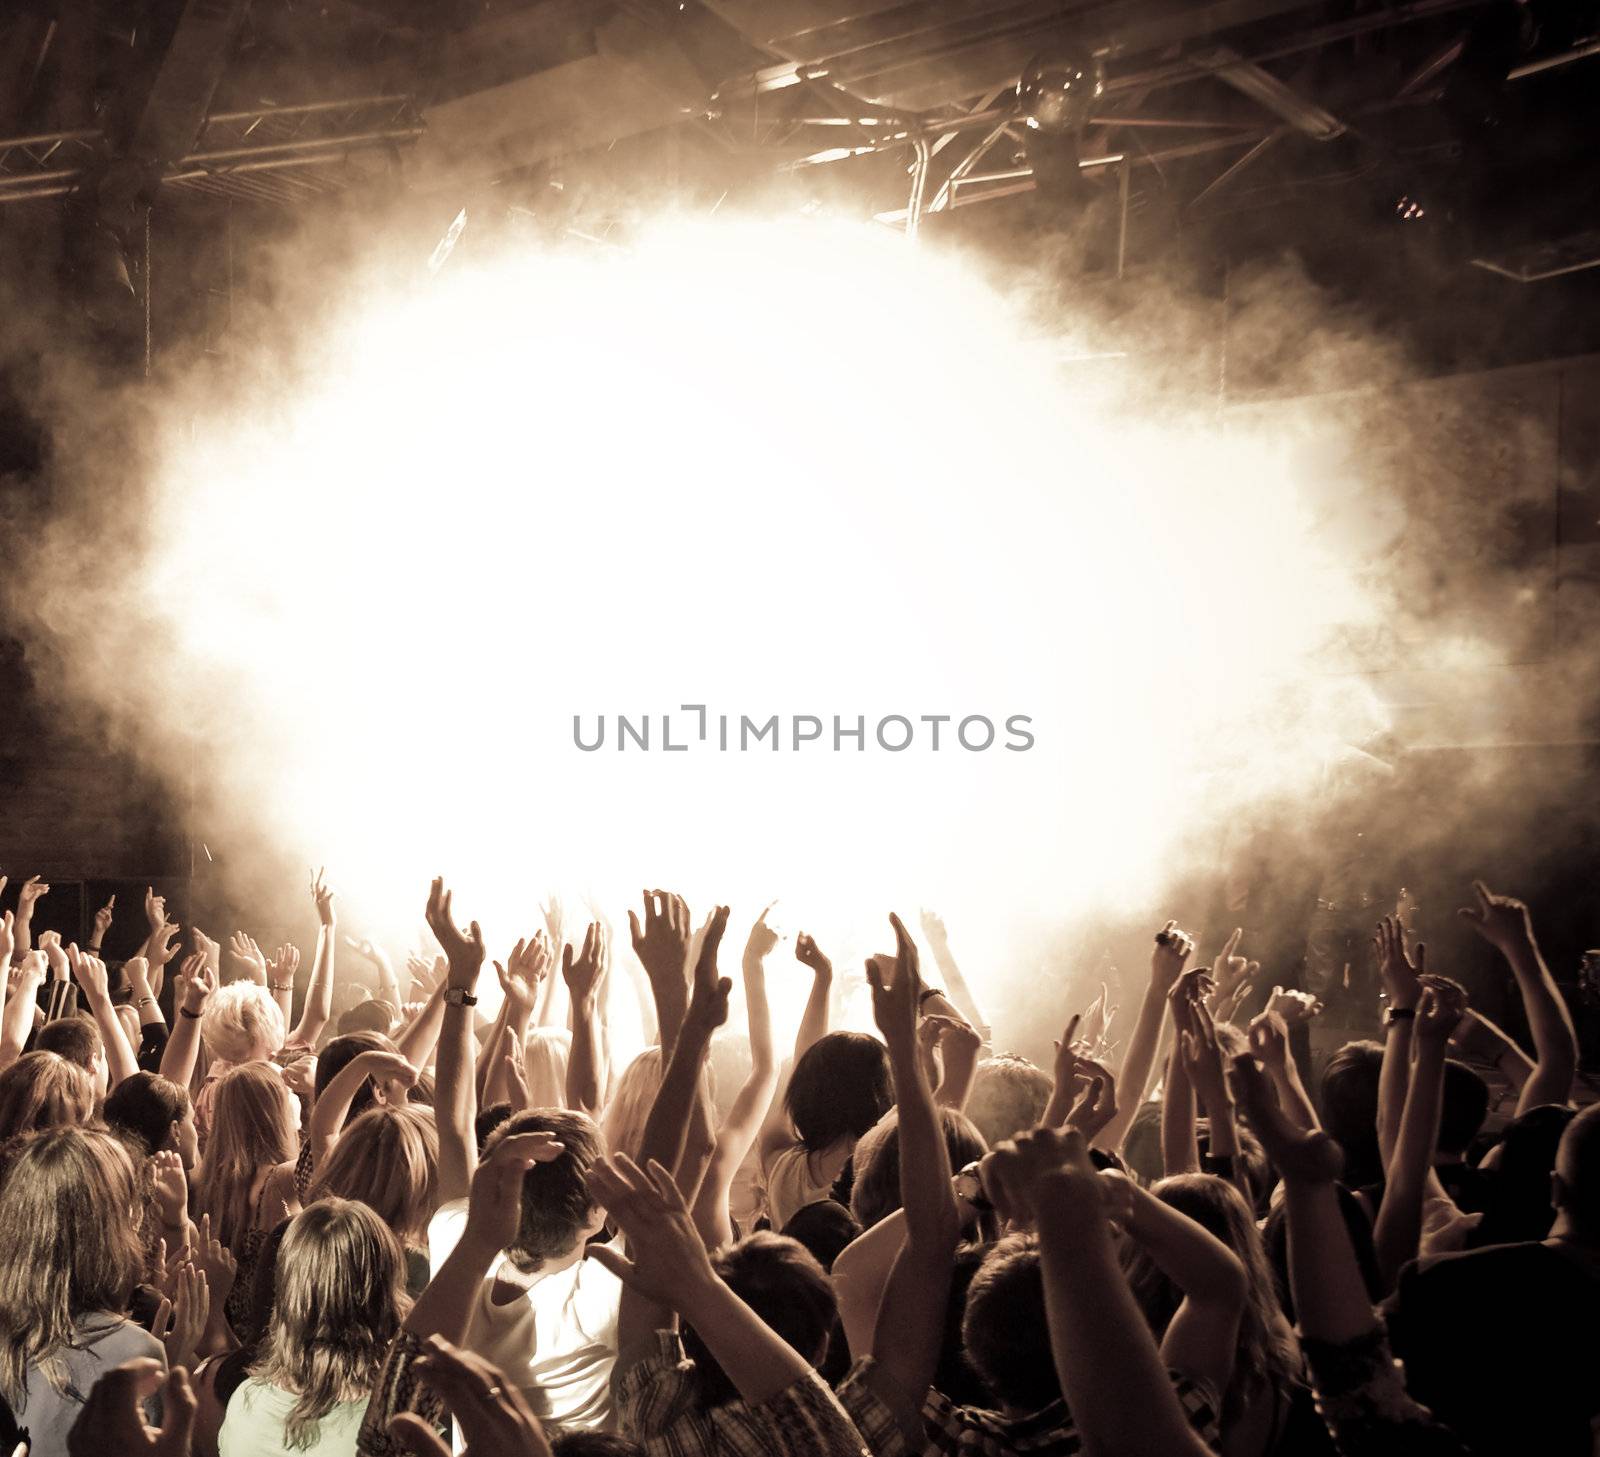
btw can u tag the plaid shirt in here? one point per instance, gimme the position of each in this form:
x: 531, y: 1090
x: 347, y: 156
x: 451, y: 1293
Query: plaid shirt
x: 969, y: 1431
x: 658, y: 1398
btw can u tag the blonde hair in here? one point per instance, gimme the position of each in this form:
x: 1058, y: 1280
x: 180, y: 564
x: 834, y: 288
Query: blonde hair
x: 544, y: 1063
x: 69, y: 1246
x: 1008, y: 1096
x: 43, y: 1090
x: 253, y: 1126
x: 241, y: 1023
x: 338, y: 1303
x: 388, y: 1159
x: 629, y: 1109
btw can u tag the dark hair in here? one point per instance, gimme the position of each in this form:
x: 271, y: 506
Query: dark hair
x: 824, y: 1227
x: 840, y: 1087
x: 146, y: 1106
x: 1350, y: 1109
x: 1517, y: 1206
x: 1578, y: 1169
x: 779, y: 1279
x: 1004, y: 1330
x: 338, y: 1055
x: 75, y: 1038
x: 555, y: 1196
x: 487, y: 1121
x: 1464, y: 1106
x: 875, y: 1195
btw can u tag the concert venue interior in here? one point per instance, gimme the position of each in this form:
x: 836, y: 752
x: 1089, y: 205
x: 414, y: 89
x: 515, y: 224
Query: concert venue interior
x: 1115, y: 483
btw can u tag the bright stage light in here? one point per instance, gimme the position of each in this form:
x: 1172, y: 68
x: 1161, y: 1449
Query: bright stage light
x: 794, y: 468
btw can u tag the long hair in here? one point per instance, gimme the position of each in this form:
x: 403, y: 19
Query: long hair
x: 338, y: 1303
x: 69, y: 1246
x: 1266, y: 1354
x: 839, y: 1088
x: 388, y: 1159
x: 625, y: 1115
x: 252, y: 1128
x: 43, y: 1090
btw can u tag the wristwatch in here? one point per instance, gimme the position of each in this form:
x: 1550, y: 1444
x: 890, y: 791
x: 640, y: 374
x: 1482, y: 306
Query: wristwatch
x: 459, y: 997
x: 969, y: 1189
x: 1392, y: 1015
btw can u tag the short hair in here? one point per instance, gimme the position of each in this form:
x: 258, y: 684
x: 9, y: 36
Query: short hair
x: 387, y: 1159
x: 372, y: 1015
x: 241, y: 1023
x: 41, y: 1090
x: 1004, y: 1330
x: 144, y: 1107
x: 339, y: 1053
x: 1008, y: 1096
x: 824, y: 1227
x: 75, y: 1038
x: 779, y: 1279
x: 556, y: 1206
x: 839, y: 1088
x: 1578, y: 1171
x: 1463, y: 1108
x: 1350, y: 1109
x: 875, y: 1193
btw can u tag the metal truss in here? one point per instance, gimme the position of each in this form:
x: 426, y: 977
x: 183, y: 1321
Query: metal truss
x: 274, y: 154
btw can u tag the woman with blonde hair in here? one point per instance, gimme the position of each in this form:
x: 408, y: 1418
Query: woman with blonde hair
x: 625, y: 1115
x: 69, y: 1258
x: 43, y: 1090
x: 246, y: 1180
x: 338, y: 1305
x: 241, y: 1024
x: 388, y: 1159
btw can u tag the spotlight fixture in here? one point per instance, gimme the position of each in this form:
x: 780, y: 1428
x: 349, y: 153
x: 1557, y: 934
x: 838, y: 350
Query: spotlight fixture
x: 1059, y: 87
x: 1408, y: 209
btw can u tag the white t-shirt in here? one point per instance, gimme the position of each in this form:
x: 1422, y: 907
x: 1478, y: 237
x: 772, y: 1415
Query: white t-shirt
x: 557, y: 1344
x: 254, y: 1425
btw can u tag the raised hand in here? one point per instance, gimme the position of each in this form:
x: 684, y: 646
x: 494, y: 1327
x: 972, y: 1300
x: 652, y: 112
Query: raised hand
x: 1502, y: 920
x: 525, y: 969
x: 1307, y: 1155
x: 29, y: 894
x: 1269, y: 1040
x: 90, y: 973
x: 493, y: 1417
x: 102, y: 920
x: 181, y: 1317
x: 1397, y: 968
x: 426, y: 975
x: 1188, y: 990
x: 1295, y: 1007
x: 55, y: 955
x: 762, y: 941
x: 282, y: 965
x: 1441, y: 1006
x: 1012, y: 1171
x: 666, y: 1257
x: 708, y: 1001
x: 662, y: 944
x: 1202, y: 1056
x: 8, y: 935
x: 169, y: 1189
x: 322, y: 897
x: 1097, y: 1105
x: 896, y: 989
x: 300, y: 1077
x: 112, y: 1424
x: 196, y: 982
x: 809, y: 954
x: 1173, y: 949
x: 215, y: 1261
x: 464, y: 953
x: 211, y: 950
x: 159, y: 947
x: 494, y: 1207
x: 390, y: 1071
x: 248, y: 957
x: 155, y: 909
x: 1229, y: 970
x: 586, y: 972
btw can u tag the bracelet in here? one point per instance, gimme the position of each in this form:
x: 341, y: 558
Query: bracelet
x: 976, y: 1198
x: 1399, y: 1014
x: 925, y: 993
x: 288, y: 986
x: 185, y: 1012
x: 145, y: 1002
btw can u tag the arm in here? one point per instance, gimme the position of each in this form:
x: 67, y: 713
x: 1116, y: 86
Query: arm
x: 21, y: 1002
x: 1173, y: 948
x: 417, y: 1041
x: 137, y: 970
x: 585, y: 975
x: 281, y: 969
x: 960, y: 1045
x: 1180, y: 1150
x: 388, y: 983
x: 29, y: 893
x: 196, y: 982
x: 1477, y: 1036
x: 662, y: 946
x: 455, y: 1100
x: 332, y: 1108
x: 775, y: 1133
x: 1506, y: 925
x: 1114, y: 1380
x: 964, y: 1003
x: 319, y: 993
x: 753, y: 1099
x: 1269, y: 1041
x: 1202, y: 1056
x: 1399, y: 972
x: 102, y: 924
x: 90, y: 974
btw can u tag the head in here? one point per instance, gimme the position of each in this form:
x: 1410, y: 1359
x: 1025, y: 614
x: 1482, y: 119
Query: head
x: 78, y: 1040
x: 557, y: 1213
x: 372, y: 1015
x: 1266, y: 1354
x: 41, y: 1090
x: 875, y: 1194
x: 782, y: 1282
x: 241, y: 1023
x: 1462, y: 1111
x: 1575, y: 1188
x: 544, y: 1065
x: 840, y: 1087
x: 1519, y: 1205
x: 155, y: 1113
x: 824, y: 1227
x: 388, y: 1159
x: 1350, y: 1109
x: 1004, y: 1331
x: 625, y: 1115
x: 339, y: 1054
x: 338, y: 1302
x: 1142, y: 1147
x: 1008, y: 1095
x: 254, y: 1125
x: 69, y: 1244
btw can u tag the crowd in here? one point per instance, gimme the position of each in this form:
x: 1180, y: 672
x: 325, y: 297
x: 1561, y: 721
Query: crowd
x: 234, y: 1231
